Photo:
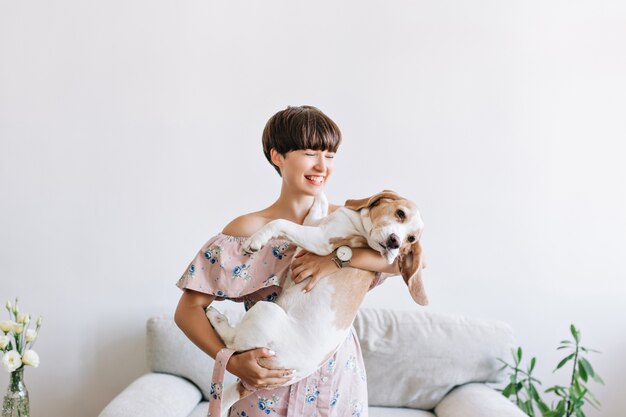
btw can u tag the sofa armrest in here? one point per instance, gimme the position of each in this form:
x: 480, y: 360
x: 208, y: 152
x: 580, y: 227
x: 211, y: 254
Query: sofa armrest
x: 476, y: 400
x: 155, y: 395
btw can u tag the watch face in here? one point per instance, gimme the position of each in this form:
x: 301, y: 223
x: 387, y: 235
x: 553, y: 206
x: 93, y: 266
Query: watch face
x: 344, y: 253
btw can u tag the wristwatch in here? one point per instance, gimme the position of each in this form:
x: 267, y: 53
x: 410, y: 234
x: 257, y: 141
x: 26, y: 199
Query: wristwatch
x: 343, y: 255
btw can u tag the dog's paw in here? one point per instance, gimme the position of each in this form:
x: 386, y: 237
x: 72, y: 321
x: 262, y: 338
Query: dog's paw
x: 252, y: 245
x: 214, y: 315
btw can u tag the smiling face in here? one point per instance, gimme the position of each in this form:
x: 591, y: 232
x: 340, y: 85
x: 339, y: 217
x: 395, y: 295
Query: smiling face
x: 295, y: 131
x: 304, y: 171
x: 392, y: 224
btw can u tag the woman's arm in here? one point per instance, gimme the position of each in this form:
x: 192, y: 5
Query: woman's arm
x: 307, y: 264
x: 191, y: 319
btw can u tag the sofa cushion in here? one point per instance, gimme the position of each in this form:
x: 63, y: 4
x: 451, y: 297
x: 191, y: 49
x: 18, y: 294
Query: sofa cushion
x: 169, y: 351
x: 397, y: 412
x: 414, y: 358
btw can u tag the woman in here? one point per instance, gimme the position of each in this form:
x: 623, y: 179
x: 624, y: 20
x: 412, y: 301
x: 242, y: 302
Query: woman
x: 300, y: 143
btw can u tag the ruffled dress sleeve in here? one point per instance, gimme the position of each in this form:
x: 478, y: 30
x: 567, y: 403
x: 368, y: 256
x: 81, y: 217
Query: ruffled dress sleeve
x: 221, y: 268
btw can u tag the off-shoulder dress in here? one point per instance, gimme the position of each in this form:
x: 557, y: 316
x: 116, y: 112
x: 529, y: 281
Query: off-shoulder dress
x: 338, y: 388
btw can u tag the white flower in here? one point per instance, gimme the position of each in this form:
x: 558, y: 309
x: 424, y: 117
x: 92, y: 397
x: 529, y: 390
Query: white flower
x: 31, y: 358
x: 18, y: 328
x: 23, y: 318
x: 4, y: 341
x: 11, y: 360
x: 6, y: 325
x: 30, y: 335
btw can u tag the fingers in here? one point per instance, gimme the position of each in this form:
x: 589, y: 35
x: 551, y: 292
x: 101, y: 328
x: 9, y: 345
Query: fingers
x: 301, y: 253
x: 302, y: 276
x: 263, y: 353
x: 312, y: 282
x: 271, y: 383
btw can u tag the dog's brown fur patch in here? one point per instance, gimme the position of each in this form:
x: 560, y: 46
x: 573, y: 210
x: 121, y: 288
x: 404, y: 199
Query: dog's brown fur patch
x: 385, y: 213
x: 350, y: 286
x: 352, y: 241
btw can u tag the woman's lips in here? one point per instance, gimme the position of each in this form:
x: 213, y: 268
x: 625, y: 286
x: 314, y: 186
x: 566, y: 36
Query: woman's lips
x: 314, y: 179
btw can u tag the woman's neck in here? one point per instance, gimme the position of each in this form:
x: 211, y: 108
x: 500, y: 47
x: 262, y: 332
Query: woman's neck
x: 291, y: 207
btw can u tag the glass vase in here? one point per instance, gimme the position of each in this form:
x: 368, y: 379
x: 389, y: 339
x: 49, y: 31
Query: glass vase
x: 15, y: 402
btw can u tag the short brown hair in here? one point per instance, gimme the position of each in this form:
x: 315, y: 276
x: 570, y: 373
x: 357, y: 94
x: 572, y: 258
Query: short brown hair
x: 300, y: 127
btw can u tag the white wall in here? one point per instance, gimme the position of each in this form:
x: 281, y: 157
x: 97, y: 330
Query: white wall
x: 130, y: 132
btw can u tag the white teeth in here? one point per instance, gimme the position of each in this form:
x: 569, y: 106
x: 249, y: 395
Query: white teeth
x: 316, y: 179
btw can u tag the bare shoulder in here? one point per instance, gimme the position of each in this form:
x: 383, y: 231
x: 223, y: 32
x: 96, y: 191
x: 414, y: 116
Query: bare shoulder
x: 245, y: 225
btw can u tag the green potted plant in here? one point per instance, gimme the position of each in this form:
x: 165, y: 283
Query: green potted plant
x: 522, y: 387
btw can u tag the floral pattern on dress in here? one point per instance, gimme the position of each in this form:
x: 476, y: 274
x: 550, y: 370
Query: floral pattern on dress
x: 330, y: 365
x: 212, y: 254
x: 351, y: 365
x: 267, y: 404
x: 216, y: 390
x: 312, y: 392
x: 271, y: 297
x: 271, y: 281
x: 357, y: 408
x: 278, y: 250
x: 242, y: 271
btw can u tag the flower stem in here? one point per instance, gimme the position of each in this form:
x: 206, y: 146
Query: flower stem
x: 570, y: 403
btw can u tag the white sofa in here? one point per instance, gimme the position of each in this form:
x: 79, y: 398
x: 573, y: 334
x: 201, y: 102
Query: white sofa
x: 419, y: 364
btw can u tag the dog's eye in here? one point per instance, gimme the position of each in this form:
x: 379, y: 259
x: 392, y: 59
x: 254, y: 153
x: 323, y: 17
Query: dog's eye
x: 411, y: 239
x: 400, y: 214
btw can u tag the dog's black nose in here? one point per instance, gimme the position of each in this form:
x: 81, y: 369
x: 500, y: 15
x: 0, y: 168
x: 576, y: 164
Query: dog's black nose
x: 393, y: 242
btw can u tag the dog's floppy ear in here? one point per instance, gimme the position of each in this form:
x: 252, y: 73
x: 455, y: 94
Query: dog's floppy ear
x: 411, y: 264
x: 371, y: 201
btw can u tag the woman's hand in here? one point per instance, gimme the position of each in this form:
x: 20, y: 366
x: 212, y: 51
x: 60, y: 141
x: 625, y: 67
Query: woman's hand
x: 245, y: 365
x: 307, y: 265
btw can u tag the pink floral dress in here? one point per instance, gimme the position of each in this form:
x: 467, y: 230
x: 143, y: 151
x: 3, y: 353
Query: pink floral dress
x: 338, y: 388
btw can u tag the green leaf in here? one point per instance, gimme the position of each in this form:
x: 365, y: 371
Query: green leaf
x: 597, y: 378
x: 559, y: 411
x: 593, y: 400
x: 560, y: 391
x: 584, y: 364
x: 533, y: 361
x: 527, y: 407
x: 582, y: 372
x: 509, y: 390
x: 564, y: 361
x: 566, y: 342
x: 575, y: 333
x: 534, y: 394
x: 519, y: 354
x: 543, y: 407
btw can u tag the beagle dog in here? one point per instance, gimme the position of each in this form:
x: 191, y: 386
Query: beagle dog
x: 305, y: 329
